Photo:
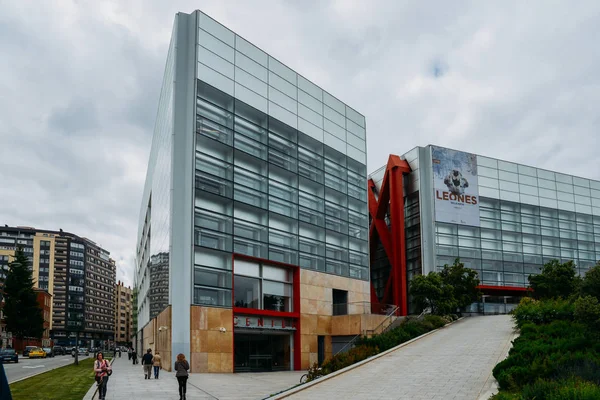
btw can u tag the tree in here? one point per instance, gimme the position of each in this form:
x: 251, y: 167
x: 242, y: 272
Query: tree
x: 23, y: 315
x: 556, y: 280
x: 430, y: 291
x: 590, y: 285
x: 464, y: 282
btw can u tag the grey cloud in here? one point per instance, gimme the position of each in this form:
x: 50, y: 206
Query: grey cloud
x: 519, y: 83
x: 79, y: 116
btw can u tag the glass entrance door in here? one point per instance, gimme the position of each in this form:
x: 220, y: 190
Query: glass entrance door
x: 259, y: 352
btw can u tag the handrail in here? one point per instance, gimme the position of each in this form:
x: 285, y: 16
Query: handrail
x: 353, y: 340
x: 388, y: 316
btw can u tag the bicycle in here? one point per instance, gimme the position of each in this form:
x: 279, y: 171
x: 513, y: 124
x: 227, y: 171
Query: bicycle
x: 312, y: 374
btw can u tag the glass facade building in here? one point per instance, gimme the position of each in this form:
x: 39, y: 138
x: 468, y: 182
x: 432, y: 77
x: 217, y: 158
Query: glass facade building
x: 526, y: 217
x: 250, y: 163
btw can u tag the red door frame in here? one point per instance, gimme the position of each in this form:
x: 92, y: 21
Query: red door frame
x: 393, y: 240
x: 295, y: 314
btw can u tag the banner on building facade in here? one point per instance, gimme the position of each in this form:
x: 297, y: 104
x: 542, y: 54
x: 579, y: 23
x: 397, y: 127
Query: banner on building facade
x: 455, y: 189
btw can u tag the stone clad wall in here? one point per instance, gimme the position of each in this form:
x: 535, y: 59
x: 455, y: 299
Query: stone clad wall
x: 211, y: 349
x: 162, y: 342
x: 316, y: 311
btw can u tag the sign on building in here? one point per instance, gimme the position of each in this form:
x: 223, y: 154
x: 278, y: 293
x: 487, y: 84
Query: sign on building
x: 455, y: 188
x: 260, y: 322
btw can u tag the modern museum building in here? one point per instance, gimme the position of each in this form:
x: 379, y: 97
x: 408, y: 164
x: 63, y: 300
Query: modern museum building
x: 264, y: 245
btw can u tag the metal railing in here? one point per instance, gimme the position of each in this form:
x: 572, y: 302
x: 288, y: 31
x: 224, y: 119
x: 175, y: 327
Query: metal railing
x: 391, y: 312
x: 388, y: 320
x: 361, y: 307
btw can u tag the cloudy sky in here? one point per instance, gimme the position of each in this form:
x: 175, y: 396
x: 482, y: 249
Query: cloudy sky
x: 80, y: 80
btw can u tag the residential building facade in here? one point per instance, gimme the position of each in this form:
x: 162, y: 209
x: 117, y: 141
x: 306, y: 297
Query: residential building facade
x: 79, y: 276
x: 503, y: 219
x: 123, y: 314
x: 252, y: 247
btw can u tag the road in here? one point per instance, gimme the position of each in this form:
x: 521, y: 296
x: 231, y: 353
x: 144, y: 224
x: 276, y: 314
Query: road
x: 26, y: 367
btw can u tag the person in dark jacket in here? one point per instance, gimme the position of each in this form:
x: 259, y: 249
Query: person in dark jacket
x: 147, y: 364
x: 134, y: 356
x: 181, y: 373
x: 4, y: 388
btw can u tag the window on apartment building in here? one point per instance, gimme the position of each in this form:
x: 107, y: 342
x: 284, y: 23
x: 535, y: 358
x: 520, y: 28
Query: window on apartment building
x: 340, y: 302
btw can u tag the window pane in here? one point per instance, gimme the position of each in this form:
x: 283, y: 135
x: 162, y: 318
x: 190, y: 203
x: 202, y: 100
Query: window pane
x: 246, y: 292
x: 212, y: 296
x: 277, y: 296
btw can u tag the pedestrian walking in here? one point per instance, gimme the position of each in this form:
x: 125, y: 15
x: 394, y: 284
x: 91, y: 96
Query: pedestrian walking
x: 129, y: 350
x: 103, y: 370
x: 181, y: 368
x: 134, y: 356
x: 156, y: 362
x: 147, y: 364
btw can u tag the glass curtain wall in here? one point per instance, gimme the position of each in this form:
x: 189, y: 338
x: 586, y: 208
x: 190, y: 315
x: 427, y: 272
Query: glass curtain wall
x: 515, y: 240
x: 267, y: 190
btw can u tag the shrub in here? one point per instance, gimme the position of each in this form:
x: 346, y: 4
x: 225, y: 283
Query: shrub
x: 542, y: 312
x: 587, y: 311
x: 342, y: 360
x: 559, y: 350
x: 436, y: 321
x: 572, y: 389
x: 555, y: 280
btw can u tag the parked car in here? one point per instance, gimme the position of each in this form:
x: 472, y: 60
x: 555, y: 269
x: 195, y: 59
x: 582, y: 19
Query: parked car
x: 9, y: 355
x: 38, y: 352
x: 68, y: 349
x: 27, y: 350
x: 80, y: 351
x: 58, y: 350
x: 48, y: 351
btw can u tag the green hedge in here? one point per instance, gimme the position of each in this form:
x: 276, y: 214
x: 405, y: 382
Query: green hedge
x: 367, y: 347
x: 556, y: 356
x: 543, y: 312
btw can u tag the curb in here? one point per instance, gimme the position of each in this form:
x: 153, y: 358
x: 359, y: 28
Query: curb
x: 38, y: 373
x: 491, y: 384
x: 302, y: 387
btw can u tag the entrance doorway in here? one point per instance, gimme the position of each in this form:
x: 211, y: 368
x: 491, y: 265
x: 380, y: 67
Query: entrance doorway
x: 262, y: 352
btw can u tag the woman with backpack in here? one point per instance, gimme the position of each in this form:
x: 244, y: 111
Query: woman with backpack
x: 181, y: 368
x: 103, y: 370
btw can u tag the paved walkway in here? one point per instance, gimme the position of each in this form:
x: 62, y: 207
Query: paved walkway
x: 453, y: 363
x: 127, y: 382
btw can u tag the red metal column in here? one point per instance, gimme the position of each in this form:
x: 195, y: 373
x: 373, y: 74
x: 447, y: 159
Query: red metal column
x: 398, y: 240
x: 391, y: 193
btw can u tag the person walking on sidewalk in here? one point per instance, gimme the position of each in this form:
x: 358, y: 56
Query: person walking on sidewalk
x: 102, y: 369
x: 157, y: 364
x: 129, y: 350
x: 147, y: 364
x: 181, y: 368
x: 134, y: 356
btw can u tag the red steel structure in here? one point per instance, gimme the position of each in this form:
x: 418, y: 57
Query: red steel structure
x: 390, y: 199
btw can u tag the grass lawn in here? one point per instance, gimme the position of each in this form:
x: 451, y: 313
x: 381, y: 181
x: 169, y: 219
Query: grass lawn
x: 66, y: 383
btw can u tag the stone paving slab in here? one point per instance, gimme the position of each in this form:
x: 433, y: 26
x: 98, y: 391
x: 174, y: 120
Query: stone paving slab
x: 127, y: 382
x: 452, y: 363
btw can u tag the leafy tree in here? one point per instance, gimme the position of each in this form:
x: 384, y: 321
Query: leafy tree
x: 556, y: 280
x: 22, y: 313
x: 590, y: 285
x: 464, y: 282
x: 430, y: 291
x: 587, y: 311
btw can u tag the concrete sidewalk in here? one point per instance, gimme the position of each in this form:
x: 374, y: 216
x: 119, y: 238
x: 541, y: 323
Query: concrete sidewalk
x: 127, y: 382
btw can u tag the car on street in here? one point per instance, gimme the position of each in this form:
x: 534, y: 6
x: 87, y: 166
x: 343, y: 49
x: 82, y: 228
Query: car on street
x: 80, y: 351
x: 58, y: 350
x: 27, y: 350
x: 9, y: 355
x: 48, y: 351
x: 38, y: 352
